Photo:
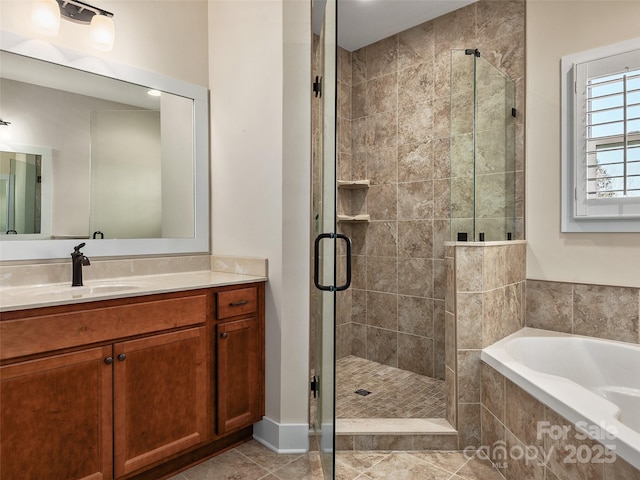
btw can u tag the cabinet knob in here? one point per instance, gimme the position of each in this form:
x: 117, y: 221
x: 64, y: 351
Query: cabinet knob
x: 224, y: 335
x: 122, y: 356
x: 108, y: 360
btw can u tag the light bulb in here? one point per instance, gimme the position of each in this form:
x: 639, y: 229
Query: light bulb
x: 45, y: 16
x: 102, y: 32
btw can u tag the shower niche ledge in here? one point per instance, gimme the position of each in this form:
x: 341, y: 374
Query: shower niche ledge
x: 362, y: 218
x: 353, y: 185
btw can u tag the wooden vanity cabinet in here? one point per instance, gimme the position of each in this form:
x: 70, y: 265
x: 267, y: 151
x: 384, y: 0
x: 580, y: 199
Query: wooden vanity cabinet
x: 56, y: 417
x: 160, y: 397
x: 130, y: 387
x: 239, y: 343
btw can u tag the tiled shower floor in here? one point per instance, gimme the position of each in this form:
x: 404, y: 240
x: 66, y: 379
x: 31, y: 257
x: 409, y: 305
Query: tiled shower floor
x: 395, y: 393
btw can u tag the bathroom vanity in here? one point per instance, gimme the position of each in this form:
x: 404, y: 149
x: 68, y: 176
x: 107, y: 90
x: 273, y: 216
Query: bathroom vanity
x: 130, y: 386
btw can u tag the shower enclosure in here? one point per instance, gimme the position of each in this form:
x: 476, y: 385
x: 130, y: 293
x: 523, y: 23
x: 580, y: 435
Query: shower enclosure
x: 483, y: 172
x: 414, y: 142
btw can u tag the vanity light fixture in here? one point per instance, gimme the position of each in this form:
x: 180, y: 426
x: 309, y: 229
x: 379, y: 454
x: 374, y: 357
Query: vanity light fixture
x: 46, y: 14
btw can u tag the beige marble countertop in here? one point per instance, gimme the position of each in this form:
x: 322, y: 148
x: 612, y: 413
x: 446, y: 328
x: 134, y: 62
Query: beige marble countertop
x: 50, y: 294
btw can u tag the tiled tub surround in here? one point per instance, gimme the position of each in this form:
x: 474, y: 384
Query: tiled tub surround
x: 533, y: 441
x: 484, y: 303
x: 594, y: 310
x: 584, y: 379
x: 393, y: 129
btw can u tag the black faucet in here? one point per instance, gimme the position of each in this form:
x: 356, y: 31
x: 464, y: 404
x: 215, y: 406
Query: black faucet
x: 77, y: 261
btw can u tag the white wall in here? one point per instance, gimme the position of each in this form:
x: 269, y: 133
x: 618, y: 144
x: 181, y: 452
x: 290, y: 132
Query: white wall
x: 260, y: 143
x: 555, y: 29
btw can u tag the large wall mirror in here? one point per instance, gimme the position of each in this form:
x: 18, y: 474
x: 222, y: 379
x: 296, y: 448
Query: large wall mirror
x: 98, y: 152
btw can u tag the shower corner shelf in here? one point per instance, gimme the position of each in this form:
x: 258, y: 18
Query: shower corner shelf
x: 353, y: 184
x: 363, y: 218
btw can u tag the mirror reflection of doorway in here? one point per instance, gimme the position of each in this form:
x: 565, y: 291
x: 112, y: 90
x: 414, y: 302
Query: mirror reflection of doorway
x: 20, y: 193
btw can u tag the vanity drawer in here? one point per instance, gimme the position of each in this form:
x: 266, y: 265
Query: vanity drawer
x: 236, y: 302
x: 44, y: 333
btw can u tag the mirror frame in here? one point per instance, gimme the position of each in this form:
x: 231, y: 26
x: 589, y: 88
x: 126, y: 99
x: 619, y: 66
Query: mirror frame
x: 22, y: 250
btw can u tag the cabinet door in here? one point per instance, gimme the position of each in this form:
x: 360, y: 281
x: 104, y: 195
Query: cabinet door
x: 239, y: 374
x: 160, y: 397
x: 56, y: 417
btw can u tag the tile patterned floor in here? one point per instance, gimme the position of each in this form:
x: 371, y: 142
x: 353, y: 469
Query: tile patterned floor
x: 253, y: 461
x: 395, y: 393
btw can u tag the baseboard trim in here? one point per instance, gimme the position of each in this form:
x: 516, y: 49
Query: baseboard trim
x: 282, y: 437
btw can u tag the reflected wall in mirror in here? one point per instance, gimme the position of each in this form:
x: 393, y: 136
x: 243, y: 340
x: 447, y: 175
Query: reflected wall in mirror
x: 125, y: 164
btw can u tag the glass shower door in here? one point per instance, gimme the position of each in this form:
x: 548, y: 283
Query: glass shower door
x: 325, y: 240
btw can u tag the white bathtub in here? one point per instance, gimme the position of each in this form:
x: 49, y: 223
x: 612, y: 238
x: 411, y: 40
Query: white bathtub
x: 586, y: 380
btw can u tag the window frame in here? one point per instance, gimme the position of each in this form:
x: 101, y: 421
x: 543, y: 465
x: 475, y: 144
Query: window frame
x: 580, y: 214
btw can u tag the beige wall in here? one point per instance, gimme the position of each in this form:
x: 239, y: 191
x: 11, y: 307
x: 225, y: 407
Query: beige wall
x: 555, y: 29
x: 260, y: 144
x: 171, y: 40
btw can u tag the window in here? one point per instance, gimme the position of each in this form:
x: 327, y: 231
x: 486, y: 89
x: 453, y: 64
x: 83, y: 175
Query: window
x: 601, y: 139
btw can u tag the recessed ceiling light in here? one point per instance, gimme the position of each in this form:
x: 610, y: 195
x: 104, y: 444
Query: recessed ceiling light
x: 154, y: 93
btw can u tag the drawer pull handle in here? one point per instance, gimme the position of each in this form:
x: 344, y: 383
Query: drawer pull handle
x: 224, y: 335
x: 239, y: 304
x: 108, y: 360
x: 121, y: 357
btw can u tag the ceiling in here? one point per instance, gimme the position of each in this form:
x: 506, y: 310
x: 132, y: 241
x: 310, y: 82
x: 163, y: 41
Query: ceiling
x: 363, y: 22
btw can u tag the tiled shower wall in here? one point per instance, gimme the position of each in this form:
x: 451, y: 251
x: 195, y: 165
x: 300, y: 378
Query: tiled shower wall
x: 393, y: 128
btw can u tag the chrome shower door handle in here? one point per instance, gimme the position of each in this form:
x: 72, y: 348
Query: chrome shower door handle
x: 316, y: 256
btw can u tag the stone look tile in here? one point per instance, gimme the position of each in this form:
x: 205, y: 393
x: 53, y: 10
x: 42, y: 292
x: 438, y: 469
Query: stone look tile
x: 382, y: 239
x: 493, y: 433
x: 229, y: 465
x: 449, y: 340
x: 522, y: 421
x: 415, y: 45
x: 415, y: 201
x: 493, y: 316
x: 493, y: 391
x: 415, y: 315
x: 606, y: 312
x: 415, y: 354
x: 549, y: 305
x: 527, y: 466
x: 382, y: 166
x: 469, y: 263
x: 469, y: 316
x: 514, y: 308
x: 479, y: 468
x: 404, y: 466
x: 469, y: 425
x: 382, y: 346
x: 415, y: 277
x: 415, y: 162
x: 382, y: 274
x: 452, y: 400
x: 382, y: 310
x: 382, y: 57
x: 558, y: 449
x: 493, y: 269
x: 382, y: 94
x: 382, y: 202
x: 415, y: 239
x: 416, y: 84
x: 469, y: 376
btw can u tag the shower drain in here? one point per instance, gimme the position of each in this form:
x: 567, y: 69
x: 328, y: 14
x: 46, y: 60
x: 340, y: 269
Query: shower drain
x: 363, y: 392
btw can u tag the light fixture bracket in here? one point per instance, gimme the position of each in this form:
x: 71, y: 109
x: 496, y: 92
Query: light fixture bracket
x: 80, y: 12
